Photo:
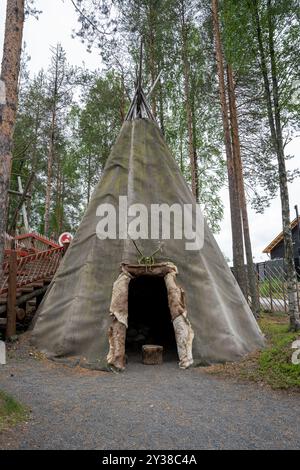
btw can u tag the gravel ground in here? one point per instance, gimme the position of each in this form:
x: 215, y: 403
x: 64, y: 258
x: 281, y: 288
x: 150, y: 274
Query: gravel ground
x: 146, y: 407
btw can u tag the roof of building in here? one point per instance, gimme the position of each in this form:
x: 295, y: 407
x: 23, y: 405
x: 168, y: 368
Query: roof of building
x: 279, y: 237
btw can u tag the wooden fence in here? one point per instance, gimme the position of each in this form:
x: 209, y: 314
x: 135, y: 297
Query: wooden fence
x: 272, y: 286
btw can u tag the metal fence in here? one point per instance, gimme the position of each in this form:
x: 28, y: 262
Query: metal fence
x: 272, y: 286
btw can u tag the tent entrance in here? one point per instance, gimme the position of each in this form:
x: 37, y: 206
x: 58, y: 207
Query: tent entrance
x: 148, y: 307
x: 149, y: 317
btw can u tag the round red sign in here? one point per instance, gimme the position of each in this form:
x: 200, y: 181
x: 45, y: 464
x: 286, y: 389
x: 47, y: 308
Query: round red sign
x: 64, y: 238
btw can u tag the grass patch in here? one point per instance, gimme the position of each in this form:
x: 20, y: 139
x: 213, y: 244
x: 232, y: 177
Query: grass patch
x: 272, y: 366
x: 11, y: 411
x: 272, y: 287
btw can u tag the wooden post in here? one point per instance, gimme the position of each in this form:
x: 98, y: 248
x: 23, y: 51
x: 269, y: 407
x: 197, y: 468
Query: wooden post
x: 258, y: 288
x: 12, y: 294
x: 271, y: 294
x: 298, y: 296
x: 284, y: 296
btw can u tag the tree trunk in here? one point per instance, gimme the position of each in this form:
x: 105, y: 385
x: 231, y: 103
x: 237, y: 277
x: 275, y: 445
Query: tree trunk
x: 236, y: 222
x: 33, y: 161
x: 12, y: 294
x: 181, y: 132
x: 187, y: 97
x: 274, y: 119
x: 89, y: 179
x: 51, y: 150
x: 194, y: 129
x: 161, y: 108
x: 8, y: 103
x: 59, y: 198
x: 264, y: 72
x: 283, y: 184
x: 49, y: 175
x: 62, y: 202
x: 236, y: 148
x: 153, y: 68
x: 122, y: 101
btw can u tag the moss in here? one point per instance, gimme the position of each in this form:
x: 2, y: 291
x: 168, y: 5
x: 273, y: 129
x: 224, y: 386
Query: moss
x: 273, y: 365
x: 11, y: 411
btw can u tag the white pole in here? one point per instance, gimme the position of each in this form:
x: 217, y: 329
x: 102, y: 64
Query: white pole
x: 24, y: 211
x: 2, y: 353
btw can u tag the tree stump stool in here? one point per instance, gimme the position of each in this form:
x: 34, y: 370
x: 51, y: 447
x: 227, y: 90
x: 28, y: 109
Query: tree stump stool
x: 152, y: 354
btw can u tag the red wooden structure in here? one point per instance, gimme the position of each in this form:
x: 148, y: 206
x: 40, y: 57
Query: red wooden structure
x: 28, y: 269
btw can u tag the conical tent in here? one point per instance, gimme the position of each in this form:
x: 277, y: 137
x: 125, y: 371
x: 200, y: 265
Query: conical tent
x: 88, y: 293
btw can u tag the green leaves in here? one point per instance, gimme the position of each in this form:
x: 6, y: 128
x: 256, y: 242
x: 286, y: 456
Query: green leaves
x: 160, y: 25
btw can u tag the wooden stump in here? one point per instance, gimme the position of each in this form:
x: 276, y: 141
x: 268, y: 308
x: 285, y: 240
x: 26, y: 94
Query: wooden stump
x: 152, y: 354
x: 12, y: 294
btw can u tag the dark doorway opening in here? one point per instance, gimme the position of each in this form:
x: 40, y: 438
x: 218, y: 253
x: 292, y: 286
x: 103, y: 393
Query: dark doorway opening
x: 149, y: 318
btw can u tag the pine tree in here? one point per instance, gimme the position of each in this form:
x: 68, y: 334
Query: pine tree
x: 8, y: 102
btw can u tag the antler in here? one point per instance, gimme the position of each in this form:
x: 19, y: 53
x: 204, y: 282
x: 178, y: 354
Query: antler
x: 136, y: 247
x: 161, y: 244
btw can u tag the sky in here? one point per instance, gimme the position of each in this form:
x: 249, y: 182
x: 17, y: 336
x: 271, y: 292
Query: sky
x: 56, y: 24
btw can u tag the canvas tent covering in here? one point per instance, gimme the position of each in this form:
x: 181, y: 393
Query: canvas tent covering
x: 77, y: 320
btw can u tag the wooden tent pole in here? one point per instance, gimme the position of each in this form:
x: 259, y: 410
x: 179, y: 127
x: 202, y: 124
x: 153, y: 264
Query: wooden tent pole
x: 154, y: 85
x: 139, y: 83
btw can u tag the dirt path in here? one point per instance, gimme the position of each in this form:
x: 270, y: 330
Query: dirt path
x: 147, y: 407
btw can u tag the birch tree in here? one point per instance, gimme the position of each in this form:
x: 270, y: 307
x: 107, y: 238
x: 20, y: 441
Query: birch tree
x: 269, y: 71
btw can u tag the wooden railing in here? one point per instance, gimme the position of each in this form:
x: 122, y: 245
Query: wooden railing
x: 31, y: 268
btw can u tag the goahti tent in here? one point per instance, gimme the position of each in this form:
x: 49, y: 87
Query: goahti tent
x: 105, y: 294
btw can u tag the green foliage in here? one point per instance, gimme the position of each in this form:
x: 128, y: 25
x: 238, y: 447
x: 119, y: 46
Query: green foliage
x: 241, y: 45
x: 98, y: 124
x: 85, y: 129
x: 274, y: 364
x: 159, y: 23
x: 91, y: 106
x: 11, y: 411
x: 272, y: 287
x: 31, y: 145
